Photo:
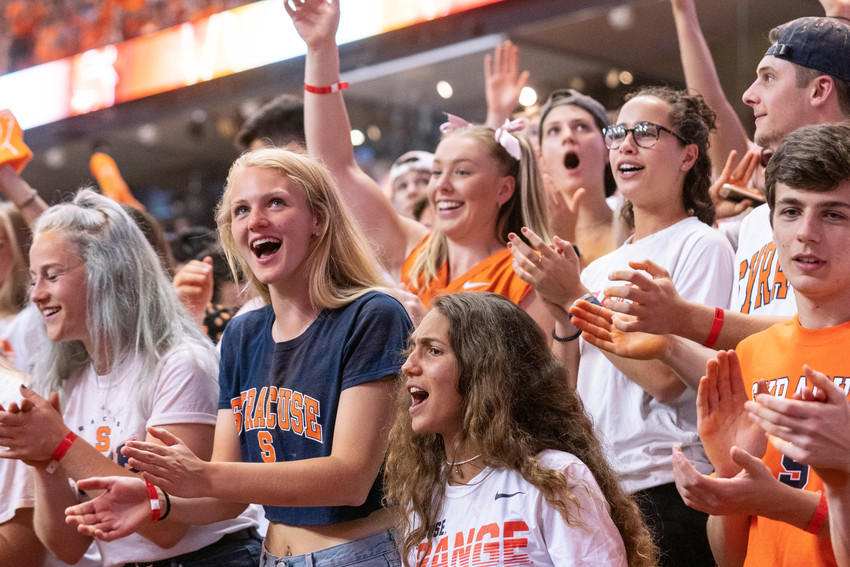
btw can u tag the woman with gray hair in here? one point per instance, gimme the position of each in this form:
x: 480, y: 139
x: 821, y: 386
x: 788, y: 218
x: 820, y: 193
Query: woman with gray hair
x: 121, y: 355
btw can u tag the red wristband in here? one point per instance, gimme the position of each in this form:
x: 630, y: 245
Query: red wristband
x: 715, y: 328
x: 60, y: 452
x: 820, y: 515
x: 155, y: 507
x: 336, y: 87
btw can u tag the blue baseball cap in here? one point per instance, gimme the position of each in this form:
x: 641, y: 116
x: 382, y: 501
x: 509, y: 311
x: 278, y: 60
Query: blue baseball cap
x: 822, y: 44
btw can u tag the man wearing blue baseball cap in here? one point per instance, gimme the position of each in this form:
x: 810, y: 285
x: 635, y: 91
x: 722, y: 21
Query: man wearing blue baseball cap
x: 804, y: 78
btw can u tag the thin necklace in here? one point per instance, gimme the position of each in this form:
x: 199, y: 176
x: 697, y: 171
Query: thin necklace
x: 458, y: 464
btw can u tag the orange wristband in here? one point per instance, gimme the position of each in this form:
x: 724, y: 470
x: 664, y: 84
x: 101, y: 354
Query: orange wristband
x: 820, y: 515
x: 155, y: 507
x: 60, y: 452
x: 716, y: 325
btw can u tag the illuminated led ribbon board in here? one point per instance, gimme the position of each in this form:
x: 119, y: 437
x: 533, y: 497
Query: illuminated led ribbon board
x: 225, y: 43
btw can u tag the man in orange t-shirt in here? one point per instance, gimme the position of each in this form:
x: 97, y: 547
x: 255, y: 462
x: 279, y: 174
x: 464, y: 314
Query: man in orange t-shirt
x: 772, y: 511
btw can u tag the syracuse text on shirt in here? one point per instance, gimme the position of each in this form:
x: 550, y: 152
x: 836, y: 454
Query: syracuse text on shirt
x: 763, y: 278
x: 281, y: 408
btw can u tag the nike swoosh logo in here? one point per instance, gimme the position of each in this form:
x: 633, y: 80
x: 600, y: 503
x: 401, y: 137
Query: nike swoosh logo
x: 470, y: 285
x: 503, y: 495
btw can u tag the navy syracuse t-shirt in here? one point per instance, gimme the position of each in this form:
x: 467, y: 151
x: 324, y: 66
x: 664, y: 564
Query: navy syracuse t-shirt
x: 284, y: 396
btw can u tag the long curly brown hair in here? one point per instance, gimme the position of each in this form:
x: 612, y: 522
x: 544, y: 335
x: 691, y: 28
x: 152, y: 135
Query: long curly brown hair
x: 516, y: 403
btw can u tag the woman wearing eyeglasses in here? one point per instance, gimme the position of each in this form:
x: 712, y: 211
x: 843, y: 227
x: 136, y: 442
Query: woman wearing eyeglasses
x: 658, y: 154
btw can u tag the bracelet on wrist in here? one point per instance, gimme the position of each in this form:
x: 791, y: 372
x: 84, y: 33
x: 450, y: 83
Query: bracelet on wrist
x: 336, y: 87
x: 716, y: 325
x: 60, y: 452
x: 29, y: 200
x: 820, y: 514
x: 566, y: 339
x: 154, y: 501
x: 167, y: 506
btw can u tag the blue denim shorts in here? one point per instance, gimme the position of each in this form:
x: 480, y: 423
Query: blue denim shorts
x: 377, y: 550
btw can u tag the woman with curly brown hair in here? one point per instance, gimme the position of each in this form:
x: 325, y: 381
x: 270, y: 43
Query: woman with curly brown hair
x: 492, y: 457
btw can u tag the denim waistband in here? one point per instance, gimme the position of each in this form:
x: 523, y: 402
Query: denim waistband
x: 357, y: 552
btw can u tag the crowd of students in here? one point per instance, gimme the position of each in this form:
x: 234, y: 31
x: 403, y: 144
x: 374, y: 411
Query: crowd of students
x: 37, y: 31
x: 513, y: 362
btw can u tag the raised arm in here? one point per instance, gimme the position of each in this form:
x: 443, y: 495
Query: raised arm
x: 19, y: 192
x: 701, y: 75
x: 503, y: 83
x: 328, y: 133
x: 194, y: 286
x: 836, y: 8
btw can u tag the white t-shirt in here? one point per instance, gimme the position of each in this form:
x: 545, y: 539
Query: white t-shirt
x: 104, y: 410
x: 501, y: 519
x: 17, y: 488
x: 18, y: 331
x: 17, y: 485
x: 639, y: 430
x: 761, y: 287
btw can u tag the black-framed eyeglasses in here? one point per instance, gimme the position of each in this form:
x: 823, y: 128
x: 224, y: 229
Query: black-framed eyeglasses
x: 645, y: 134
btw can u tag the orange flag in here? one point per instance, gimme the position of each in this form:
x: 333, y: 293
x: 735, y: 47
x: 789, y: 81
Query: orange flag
x: 112, y: 185
x: 13, y: 150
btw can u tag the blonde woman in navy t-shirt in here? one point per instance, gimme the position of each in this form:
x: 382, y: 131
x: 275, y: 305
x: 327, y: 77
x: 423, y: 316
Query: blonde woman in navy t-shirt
x: 306, y: 382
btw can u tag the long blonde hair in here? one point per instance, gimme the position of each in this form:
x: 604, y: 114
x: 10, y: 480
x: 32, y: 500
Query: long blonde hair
x: 340, y: 262
x: 526, y: 207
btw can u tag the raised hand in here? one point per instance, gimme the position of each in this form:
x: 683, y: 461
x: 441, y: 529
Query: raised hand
x: 316, y: 21
x: 722, y: 420
x: 551, y: 269
x: 194, y: 286
x: 596, y: 323
x: 814, y: 430
x: 563, y: 209
x: 122, y: 509
x: 654, y: 303
x: 503, y: 82
x: 171, y: 466
x: 736, y: 175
